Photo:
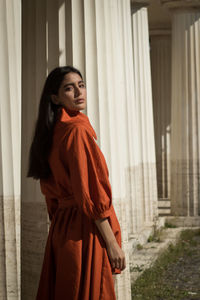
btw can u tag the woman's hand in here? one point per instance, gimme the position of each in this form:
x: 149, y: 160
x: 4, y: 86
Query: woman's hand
x: 116, y: 255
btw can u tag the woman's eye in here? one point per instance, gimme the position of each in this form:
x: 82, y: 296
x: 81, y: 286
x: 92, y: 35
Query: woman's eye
x: 82, y: 85
x: 69, y: 88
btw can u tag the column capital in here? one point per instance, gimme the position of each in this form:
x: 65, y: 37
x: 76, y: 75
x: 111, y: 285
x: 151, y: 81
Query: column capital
x: 139, y: 3
x: 181, y: 4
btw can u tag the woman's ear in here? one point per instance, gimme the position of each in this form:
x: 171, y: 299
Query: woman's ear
x: 54, y: 99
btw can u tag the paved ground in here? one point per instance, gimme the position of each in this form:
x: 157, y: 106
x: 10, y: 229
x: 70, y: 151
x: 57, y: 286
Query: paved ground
x: 145, y: 257
x: 183, y: 274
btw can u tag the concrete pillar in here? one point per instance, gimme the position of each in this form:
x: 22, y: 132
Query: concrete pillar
x: 10, y: 138
x: 185, y: 129
x: 85, y: 34
x: 161, y: 87
x: 145, y: 203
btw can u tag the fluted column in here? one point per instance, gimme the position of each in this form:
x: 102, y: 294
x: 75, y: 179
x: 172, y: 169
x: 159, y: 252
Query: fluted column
x: 84, y: 34
x: 161, y: 87
x: 36, y: 59
x: 10, y: 138
x: 107, y: 24
x: 185, y: 129
x: 145, y: 198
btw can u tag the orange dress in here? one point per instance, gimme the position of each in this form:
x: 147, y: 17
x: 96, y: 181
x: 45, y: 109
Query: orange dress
x: 76, y: 265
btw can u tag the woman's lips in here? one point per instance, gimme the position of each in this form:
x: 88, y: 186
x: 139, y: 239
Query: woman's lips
x: 79, y: 101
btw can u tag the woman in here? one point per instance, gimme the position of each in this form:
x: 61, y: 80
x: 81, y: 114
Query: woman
x: 83, y: 250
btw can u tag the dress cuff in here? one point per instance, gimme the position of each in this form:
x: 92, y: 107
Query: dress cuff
x: 105, y: 214
x: 116, y: 271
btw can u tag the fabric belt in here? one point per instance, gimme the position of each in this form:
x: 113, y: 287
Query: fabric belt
x: 66, y: 202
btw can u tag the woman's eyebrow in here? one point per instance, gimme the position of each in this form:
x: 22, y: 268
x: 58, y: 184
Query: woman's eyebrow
x: 72, y: 83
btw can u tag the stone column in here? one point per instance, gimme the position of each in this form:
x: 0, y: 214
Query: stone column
x: 145, y: 203
x: 185, y: 129
x: 109, y: 81
x: 161, y: 87
x: 10, y: 146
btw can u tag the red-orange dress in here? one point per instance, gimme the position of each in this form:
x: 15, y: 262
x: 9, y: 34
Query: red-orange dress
x: 76, y: 265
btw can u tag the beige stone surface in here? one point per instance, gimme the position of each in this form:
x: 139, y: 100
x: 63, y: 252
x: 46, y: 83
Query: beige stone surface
x: 10, y: 146
x: 160, y: 43
x: 144, y: 191
x: 184, y: 221
x: 34, y: 231
x: 10, y: 221
x: 185, y: 130
x: 181, y: 4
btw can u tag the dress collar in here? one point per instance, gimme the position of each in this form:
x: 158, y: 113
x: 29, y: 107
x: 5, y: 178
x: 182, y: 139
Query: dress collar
x: 71, y: 117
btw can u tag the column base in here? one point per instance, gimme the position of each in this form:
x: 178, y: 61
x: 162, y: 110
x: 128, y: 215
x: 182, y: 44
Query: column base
x: 183, y: 221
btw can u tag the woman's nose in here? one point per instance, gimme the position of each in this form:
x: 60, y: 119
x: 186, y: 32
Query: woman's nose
x: 77, y: 92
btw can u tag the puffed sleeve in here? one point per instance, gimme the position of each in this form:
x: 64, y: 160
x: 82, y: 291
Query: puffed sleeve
x: 88, y: 174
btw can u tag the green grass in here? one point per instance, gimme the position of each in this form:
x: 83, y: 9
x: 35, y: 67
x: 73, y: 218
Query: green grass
x: 169, y: 225
x: 152, y: 285
x: 156, y: 236
x: 139, y: 247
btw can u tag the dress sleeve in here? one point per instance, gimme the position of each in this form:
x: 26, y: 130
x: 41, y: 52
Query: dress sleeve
x: 88, y: 174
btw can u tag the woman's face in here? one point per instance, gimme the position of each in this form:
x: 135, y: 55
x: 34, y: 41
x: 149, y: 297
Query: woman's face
x: 72, y: 93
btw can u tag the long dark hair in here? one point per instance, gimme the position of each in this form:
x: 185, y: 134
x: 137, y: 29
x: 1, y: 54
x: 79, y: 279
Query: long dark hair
x: 42, y: 140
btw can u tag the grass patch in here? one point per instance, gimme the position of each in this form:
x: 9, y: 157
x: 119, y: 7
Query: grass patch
x: 169, y: 225
x: 137, y: 268
x: 156, y: 236
x: 153, y: 238
x: 139, y: 247
x: 152, y: 283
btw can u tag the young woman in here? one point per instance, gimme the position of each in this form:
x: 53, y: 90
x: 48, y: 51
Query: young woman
x: 83, y: 250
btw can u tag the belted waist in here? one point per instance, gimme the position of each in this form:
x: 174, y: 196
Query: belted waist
x: 65, y: 202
